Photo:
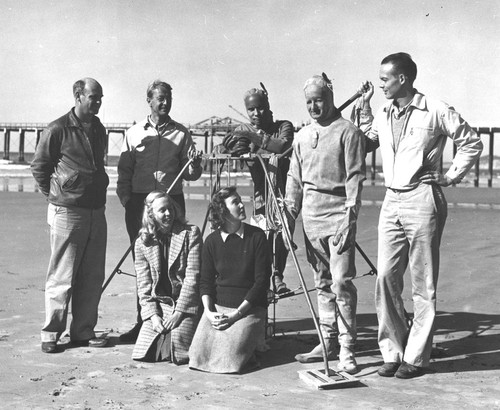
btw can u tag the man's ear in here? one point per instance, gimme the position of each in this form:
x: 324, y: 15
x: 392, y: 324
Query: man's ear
x: 402, y: 78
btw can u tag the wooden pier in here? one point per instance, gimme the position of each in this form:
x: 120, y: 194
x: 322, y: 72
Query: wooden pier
x: 212, y: 130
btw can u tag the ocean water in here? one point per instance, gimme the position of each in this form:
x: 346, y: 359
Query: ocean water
x: 18, y: 182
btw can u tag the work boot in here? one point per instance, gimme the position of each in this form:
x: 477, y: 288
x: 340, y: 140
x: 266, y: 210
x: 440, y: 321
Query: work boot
x: 316, y: 354
x: 347, y: 362
x: 132, y: 335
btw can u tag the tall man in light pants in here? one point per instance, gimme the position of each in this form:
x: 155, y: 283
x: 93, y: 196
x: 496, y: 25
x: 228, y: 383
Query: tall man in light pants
x: 412, y: 131
x: 68, y: 167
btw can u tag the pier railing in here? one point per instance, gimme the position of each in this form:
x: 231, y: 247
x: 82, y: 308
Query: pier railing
x: 25, y: 137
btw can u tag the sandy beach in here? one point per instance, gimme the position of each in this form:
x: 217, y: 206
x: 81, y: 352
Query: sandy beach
x: 464, y: 373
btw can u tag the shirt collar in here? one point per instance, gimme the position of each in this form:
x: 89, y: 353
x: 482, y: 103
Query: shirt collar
x: 240, y: 232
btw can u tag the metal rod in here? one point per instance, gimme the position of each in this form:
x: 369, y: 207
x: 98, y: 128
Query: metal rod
x: 288, y: 239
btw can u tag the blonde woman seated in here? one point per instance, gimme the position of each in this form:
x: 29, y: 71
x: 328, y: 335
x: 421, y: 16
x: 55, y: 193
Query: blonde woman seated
x: 236, y: 267
x: 167, y: 264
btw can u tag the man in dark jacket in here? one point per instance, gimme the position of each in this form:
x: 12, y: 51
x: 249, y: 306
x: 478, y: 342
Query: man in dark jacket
x: 68, y: 167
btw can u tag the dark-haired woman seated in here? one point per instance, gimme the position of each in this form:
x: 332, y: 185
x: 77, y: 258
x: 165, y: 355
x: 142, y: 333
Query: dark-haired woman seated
x: 167, y: 264
x: 236, y: 267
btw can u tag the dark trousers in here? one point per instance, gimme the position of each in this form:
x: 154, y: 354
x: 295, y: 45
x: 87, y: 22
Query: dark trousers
x: 134, y: 209
x: 279, y: 252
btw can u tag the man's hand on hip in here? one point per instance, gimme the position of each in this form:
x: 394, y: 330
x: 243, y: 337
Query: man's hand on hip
x: 435, y: 177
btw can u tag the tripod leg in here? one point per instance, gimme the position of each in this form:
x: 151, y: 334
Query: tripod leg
x: 117, y: 268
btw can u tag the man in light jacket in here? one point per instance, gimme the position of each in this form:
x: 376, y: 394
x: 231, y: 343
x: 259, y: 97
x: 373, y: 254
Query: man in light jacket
x: 154, y: 152
x: 412, y: 131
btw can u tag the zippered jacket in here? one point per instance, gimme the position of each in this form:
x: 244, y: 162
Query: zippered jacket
x: 151, y: 159
x: 68, y: 169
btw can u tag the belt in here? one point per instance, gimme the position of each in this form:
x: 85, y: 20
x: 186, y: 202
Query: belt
x: 400, y: 191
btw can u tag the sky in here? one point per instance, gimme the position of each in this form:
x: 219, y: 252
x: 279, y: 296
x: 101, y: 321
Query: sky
x: 212, y: 51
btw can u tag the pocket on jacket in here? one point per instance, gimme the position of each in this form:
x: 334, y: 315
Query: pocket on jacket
x: 66, y: 177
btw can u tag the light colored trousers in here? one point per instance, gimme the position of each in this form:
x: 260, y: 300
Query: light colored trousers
x: 337, y: 295
x: 76, y: 271
x: 410, y: 228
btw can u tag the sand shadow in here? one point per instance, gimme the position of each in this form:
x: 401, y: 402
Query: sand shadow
x: 299, y: 336
x: 473, y: 335
x: 469, y: 341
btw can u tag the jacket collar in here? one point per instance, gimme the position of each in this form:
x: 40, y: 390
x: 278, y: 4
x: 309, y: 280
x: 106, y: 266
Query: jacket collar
x: 149, y: 123
x: 419, y: 102
x: 74, y: 121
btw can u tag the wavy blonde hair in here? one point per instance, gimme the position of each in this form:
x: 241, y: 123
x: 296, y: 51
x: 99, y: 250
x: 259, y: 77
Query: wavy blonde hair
x: 150, y: 230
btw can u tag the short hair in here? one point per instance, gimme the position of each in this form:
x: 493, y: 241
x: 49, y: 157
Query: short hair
x: 403, y: 64
x: 218, y: 209
x: 158, y: 84
x: 79, y: 86
x: 260, y: 93
x: 321, y: 81
x: 150, y: 229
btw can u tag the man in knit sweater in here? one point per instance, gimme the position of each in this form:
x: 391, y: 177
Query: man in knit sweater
x: 325, y: 179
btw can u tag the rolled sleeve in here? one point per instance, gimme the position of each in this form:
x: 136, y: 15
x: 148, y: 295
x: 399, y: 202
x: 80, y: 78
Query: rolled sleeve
x: 469, y: 145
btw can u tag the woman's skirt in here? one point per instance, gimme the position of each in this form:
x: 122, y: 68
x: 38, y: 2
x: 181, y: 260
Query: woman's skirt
x: 227, y: 351
x: 174, y: 346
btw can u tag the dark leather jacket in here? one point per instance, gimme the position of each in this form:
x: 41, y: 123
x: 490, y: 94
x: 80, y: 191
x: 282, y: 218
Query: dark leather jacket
x: 66, y: 169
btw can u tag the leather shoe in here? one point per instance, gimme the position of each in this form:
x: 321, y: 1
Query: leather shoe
x: 408, y: 371
x: 388, y: 369
x: 49, y: 347
x: 95, y: 342
x: 132, y: 335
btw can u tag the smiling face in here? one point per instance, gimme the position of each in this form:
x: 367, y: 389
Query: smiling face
x: 319, y: 102
x: 160, y: 103
x: 258, y: 110
x: 235, y: 209
x: 391, y: 83
x: 163, y: 214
